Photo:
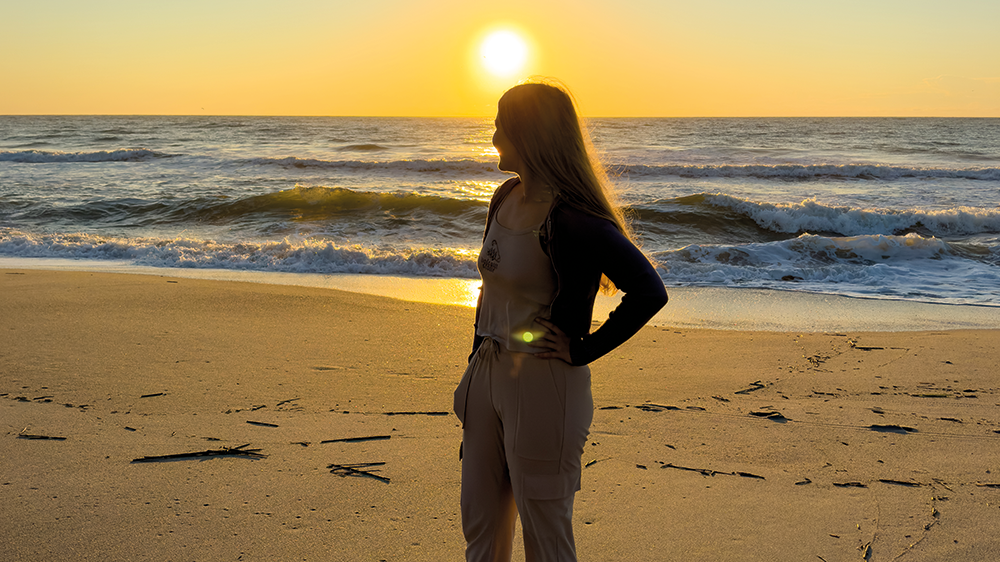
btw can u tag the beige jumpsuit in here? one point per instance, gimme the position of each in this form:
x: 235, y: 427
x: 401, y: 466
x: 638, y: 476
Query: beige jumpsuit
x: 525, y: 419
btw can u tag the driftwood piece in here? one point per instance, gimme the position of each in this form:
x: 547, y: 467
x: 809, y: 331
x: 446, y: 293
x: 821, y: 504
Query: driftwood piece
x: 770, y: 415
x: 40, y: 437
x: 417, y: 413
x: 710, y: 472
x: 908, y: 483
x: 892, y: 428
x: 357, y: 439
x: 262, y: 424
x: 345, y: 470
x: 650, y: 407
x: 223, y: 452
x: 756, y: 385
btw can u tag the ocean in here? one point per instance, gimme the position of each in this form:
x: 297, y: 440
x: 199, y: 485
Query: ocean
x: 881, y: 208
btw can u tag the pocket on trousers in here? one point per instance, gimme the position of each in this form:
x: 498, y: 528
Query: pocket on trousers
x: 550, y: 486
x: 462, y: 392
x: 541, y: 411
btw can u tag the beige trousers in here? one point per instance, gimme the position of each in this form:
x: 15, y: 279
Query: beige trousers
x: 525, y: 422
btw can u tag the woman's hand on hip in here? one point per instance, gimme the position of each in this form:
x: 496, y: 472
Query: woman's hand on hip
x: 554, y: 340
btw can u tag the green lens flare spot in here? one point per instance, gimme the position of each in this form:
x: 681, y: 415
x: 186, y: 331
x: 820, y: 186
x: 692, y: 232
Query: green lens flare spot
x: 528, y: 336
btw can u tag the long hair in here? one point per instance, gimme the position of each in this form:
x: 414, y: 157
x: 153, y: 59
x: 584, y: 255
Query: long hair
x: 541, y: 120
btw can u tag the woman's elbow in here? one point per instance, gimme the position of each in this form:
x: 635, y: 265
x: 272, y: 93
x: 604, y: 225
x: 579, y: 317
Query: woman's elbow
x: 661, y: 299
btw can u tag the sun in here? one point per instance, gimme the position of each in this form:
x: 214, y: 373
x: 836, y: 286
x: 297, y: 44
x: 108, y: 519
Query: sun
x: 504, y: 53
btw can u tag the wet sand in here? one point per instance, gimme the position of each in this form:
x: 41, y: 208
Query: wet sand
x: 706, y: 445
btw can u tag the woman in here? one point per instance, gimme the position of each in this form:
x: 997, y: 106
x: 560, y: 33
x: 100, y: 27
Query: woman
x: 553, y: 237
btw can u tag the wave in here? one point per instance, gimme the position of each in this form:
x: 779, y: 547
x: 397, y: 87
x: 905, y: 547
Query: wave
x: 362, y: 148
x: 44, y: 156
x: 33, y: 144
x: 317, y: 205
x: 473, y: 167
x: 331, y: 200
x: 806, y: 172
x: 908, y: 267
x: 289, y: 256
x: 692, y: 219
x: 464, y: 166
x: 338, y: 204
x: 812, y: 216
x: 810, y: 249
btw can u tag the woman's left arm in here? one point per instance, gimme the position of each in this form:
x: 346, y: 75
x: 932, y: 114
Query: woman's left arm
x: 585, y: 247
x: 632, y: 273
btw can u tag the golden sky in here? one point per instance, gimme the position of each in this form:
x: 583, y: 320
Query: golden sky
x: 421, y: 58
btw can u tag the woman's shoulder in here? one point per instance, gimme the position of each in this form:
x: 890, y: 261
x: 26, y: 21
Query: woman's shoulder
x: 498, y: 196
x: 567, y: 217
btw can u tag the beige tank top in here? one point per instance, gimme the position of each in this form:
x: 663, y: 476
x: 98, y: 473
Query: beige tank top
x: 519, y: 285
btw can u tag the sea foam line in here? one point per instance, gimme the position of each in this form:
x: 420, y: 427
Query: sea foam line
x: 907, y: 267
x: 45, y: 156
x: 807, y: 171
x: 291, y: 256
x: 812, y: 216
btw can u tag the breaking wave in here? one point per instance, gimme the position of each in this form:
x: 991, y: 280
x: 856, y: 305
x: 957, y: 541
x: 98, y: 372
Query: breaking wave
x: 44, y: 156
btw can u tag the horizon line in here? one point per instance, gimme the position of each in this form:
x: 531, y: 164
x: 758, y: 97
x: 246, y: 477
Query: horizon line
x: 491, y: 116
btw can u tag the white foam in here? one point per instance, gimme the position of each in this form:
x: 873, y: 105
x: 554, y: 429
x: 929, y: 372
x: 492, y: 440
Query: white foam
x: 812, y: 216
x: 809, y: 171
x: 44, y: 156
x: 904, y: 267
x: 301, y: 256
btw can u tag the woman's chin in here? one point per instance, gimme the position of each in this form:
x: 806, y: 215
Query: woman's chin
x: 505, y: 168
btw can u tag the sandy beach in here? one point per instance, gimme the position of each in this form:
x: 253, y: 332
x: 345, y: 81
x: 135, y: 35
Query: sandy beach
x: 706, y: 445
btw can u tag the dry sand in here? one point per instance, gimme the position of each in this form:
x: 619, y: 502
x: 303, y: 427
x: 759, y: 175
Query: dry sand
x: 825, y: 446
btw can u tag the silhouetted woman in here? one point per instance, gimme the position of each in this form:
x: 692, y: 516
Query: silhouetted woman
x: 553, y: 238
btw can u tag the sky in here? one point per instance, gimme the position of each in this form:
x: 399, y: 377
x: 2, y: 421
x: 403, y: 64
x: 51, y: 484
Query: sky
x: 621, y: 58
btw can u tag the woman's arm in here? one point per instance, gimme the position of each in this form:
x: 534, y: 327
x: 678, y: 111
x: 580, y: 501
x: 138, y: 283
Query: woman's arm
x: 644, y: 295
x: 584, y: 247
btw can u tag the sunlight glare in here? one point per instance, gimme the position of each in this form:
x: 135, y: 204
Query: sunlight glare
x: 504, y: 53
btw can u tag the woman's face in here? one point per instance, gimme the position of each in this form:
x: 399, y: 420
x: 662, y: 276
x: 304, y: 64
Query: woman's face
x: 509, y: 160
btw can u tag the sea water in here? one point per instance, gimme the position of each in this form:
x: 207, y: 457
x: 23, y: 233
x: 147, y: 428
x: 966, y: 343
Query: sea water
x: 901, y: 209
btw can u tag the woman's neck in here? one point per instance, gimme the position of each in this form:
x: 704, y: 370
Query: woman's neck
x: 534, y: 190
x: 526, y: 206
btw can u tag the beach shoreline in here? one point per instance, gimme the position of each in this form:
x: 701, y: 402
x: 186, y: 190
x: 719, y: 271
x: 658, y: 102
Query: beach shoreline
x: 714, y: 308
x: 706, y: 444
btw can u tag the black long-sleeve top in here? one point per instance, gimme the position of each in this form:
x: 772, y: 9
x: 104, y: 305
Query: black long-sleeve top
x: 582, y: 247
